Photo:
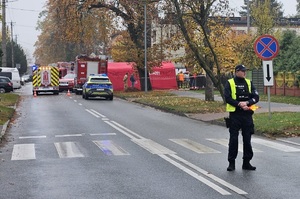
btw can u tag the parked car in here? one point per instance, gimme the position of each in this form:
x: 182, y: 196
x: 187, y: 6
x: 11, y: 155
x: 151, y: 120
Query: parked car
x: 13, y: 75
x: 67, y: 82
x: 98, y: 86
x: 6, y: 85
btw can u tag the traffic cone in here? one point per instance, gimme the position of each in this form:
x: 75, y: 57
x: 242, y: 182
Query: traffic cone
x: 34, y: 93
x: 68, y: 94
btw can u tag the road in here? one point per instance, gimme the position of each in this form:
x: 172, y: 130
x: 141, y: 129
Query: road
x: 67, y: 147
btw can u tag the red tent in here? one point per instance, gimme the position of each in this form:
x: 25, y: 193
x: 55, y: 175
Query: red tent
x: 163, y: 77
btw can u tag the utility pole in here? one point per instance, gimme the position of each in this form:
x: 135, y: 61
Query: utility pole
x: 145, y: 41
x: 248, y: 16
x: 12, y: 46
x: 4, y: 63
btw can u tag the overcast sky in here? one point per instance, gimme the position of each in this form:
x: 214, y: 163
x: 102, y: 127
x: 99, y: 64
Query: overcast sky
x: 24, y: 15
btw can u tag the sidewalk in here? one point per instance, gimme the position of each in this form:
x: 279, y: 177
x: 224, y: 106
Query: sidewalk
x: 264, y: 106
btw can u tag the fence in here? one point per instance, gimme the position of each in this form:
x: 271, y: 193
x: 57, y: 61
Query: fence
x: 286, y: 84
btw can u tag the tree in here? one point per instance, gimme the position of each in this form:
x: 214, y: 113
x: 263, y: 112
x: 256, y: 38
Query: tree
x: 204, y: 32
x: 69, y: 32
x: 288, y: 57
x: 19, y: 56
x: 263, y: 17
x: 132, y: 14
x: 298, y: 8
x: 274, y: 6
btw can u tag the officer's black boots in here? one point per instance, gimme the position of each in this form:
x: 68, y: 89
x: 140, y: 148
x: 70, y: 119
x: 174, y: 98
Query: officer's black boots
x: 247, y: 165
x: 231, y: 166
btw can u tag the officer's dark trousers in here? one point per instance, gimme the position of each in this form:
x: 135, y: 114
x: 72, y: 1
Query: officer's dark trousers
x: 244, y: 121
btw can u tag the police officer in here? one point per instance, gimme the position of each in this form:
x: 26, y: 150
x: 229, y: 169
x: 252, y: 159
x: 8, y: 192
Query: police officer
x: 240, y: 94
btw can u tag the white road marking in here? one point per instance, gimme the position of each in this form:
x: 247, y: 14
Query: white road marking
x: 288, y: 141
x: 194, y: 146
x: 224, y: 142
x: 23, y: 152
x: 97, y: 113
x: 97, y: 116
x: 152, y: 147
x: 69, y: 135
x: 79, y: 104
x: 275, y: 145
x: 110, y: 148
x: 32, y: 137
x: 95, y: 134
x: 68, y: 150
x: 124, y: 130
x: 196, y: 176
x: 215, y: 178
x: 164, y: 152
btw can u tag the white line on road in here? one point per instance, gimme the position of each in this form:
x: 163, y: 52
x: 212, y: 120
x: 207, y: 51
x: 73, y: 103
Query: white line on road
x: 97, y: 113
x: 69, y: 135
x: 274, y: 145
x: 194, y: 146
x: 164, y: 152
x: 152, y: 147
x: 97, y: 116
x: 287, y: 141
x: 23, y: 152
x: 68, y: 150
x: 196, y: 176
x: 215, y: 178
x: 33, y: 137
x: 124, y: 130
x: 95, y: 134
x: 110, y: 148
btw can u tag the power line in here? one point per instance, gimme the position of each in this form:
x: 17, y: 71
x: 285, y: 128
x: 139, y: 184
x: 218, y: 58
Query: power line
x: 23, y: 9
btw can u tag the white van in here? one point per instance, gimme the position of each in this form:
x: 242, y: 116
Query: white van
x: 15, y: 76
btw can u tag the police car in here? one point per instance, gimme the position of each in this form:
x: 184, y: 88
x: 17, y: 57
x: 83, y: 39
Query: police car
x: 98, y: 86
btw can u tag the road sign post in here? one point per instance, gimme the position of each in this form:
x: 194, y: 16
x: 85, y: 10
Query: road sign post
x: 266, y: 48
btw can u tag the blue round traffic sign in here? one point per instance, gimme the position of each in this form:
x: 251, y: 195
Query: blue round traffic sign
x: 266, y: 47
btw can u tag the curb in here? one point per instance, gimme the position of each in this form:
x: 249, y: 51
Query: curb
x: 3, y: 130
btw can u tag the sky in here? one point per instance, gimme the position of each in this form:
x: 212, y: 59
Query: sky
x: 24, y: 16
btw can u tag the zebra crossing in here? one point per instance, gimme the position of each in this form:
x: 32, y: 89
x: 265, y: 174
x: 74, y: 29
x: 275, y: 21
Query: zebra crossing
x: 69, y: 149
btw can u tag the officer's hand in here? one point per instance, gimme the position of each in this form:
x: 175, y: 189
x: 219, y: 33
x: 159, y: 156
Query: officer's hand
x: 246, y: 108
x: 243, y: 104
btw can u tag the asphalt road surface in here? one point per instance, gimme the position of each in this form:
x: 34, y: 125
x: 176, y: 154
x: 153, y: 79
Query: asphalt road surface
x: 67, y: 147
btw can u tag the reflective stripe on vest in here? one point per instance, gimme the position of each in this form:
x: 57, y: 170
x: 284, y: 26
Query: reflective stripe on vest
x: 230, y: 108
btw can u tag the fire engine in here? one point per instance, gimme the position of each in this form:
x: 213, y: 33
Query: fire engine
x: 45, y: 79
x: 86, y: 66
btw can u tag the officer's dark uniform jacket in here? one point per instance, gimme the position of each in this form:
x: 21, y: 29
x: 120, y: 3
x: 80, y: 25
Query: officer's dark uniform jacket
x: 237, y: 90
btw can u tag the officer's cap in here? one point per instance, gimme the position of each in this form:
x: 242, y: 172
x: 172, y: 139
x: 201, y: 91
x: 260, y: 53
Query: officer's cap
x: 240, y: 68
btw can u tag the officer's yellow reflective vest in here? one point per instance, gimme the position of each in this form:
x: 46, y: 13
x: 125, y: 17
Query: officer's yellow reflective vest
x: 229, y: 107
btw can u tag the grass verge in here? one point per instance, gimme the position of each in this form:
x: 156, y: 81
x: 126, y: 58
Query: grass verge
x: 7, y: 101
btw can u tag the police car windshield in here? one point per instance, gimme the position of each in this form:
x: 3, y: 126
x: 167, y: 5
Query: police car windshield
x: 99, y: 79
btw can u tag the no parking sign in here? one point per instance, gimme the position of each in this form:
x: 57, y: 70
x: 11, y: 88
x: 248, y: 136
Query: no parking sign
x: 266, y: 47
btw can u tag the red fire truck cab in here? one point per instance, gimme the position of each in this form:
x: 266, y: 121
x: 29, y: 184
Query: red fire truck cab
x: 86, y: 66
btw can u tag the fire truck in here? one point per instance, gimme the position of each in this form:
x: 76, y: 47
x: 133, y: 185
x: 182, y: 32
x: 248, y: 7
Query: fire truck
x: 45, y: 79
x: 86, y: 66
